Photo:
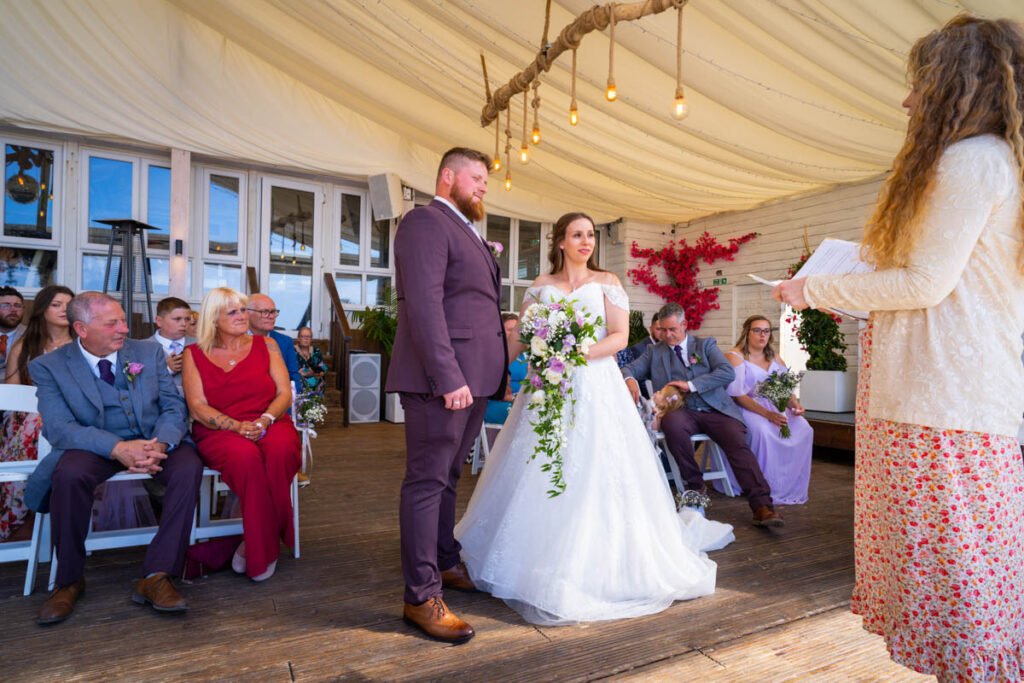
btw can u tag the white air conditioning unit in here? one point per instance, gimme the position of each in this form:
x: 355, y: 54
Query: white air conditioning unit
x: 363, y: 387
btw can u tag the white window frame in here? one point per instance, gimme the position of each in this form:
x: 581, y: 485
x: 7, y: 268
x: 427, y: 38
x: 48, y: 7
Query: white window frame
x: 508, y: 279
x: 202, y: 252
x: 55, y: 241
x: 363, y: 269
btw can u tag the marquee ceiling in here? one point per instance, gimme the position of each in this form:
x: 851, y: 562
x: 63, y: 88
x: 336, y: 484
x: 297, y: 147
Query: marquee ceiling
x: 786, y: 96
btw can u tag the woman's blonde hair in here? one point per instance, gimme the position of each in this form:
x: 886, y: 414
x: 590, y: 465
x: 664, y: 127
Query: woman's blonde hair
x: 743, y: 343
x: 214, y: 303
x: 968, y: 78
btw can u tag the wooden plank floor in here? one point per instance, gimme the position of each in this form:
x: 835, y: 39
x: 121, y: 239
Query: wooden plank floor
x: 336, y: 612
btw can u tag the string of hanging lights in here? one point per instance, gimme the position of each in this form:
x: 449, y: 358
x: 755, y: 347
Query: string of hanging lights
x: 596, y: 18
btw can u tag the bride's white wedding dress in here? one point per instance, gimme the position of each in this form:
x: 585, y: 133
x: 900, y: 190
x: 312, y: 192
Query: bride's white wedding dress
x: 612, y: 545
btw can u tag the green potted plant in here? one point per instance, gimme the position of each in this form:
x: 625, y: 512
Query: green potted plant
x: 379, y: 324
x: 828, y: 386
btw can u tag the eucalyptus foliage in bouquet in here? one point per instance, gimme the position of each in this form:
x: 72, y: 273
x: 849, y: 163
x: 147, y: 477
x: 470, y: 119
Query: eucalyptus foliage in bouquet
x: 557, y: 336
x: 311, y: 409
x: 778, y: 389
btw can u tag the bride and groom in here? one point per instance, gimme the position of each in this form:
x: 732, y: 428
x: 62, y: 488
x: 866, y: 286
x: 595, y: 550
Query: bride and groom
x: 612, y: 545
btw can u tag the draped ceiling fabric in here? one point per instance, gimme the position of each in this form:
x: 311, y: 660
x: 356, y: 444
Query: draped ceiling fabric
x: 786, y: 96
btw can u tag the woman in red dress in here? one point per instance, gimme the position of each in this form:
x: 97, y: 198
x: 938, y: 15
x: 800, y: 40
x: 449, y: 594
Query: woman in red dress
x: 238, y: 392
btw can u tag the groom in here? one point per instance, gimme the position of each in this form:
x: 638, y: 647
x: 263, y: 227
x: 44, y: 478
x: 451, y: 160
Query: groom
x: 449, y: 357
x: 699, y: 369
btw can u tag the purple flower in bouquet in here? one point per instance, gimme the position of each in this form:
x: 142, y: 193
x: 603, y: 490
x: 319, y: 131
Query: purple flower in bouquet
x: 556, y: 364
x: 569, y: 341
x: 536, y: 382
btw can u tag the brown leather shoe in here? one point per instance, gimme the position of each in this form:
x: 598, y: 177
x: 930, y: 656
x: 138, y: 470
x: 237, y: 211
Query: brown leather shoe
x: 159, y: 592
x: 767, y: 516
x: 434, y: 619
x: 60, y: 604
x: 458, y: 578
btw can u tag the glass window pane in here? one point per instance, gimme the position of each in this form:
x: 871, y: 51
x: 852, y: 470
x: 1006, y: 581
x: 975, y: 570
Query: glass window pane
x: 160, y: 275
x: 377, y: 287
x: 499, y: 229
x: 348, y: 249
x: 110, y: 195
x: 221, y: 275
x: 506, y: 292
x: 291, y: 255
x: 350, y: 291
x: 519, y: 293
x: 28, y: 195
x: 93, y: 267
x: 158, y: 207
x: 597, y: 244
x: 27, y: 268
x: 224, y: 213
x: 380, y: 244
x: 529, y: 251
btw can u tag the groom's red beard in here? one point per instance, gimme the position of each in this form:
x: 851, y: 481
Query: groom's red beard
x: 474, y: 211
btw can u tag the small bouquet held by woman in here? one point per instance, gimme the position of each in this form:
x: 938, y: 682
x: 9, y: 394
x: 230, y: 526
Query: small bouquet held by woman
x: 778, y: 388
x: 557, y: 337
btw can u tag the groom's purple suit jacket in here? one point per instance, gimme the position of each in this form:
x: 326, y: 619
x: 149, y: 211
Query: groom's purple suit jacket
x: 450, y: 331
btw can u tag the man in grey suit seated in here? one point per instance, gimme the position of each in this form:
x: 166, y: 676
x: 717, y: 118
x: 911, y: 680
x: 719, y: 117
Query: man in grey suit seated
x: 700, y: 370
x: 108, y: 405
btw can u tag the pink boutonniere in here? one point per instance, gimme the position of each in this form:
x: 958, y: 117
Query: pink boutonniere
x: 695, y: 359
x: 132, y: 370
x: 496, y: 249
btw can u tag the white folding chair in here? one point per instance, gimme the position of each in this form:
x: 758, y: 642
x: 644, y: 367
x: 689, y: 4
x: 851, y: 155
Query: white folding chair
x: 708, y: 454
x: 482, y: 447
x: 19, y: 398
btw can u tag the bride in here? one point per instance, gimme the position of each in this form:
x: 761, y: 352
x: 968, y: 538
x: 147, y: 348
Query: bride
x: 611, y: 546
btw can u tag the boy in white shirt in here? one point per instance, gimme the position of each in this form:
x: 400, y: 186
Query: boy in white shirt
x: 172, y: 318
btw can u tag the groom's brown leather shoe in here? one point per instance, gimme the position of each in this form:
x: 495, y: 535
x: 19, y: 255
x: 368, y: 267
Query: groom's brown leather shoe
x: 767, y: 516
x: 458, y: 578
x: 60, y: 604
x: 433, y: 618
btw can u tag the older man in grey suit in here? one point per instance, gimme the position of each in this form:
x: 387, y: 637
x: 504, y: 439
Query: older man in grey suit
x: 700, y: 370
x: 108, y: 405
x: 449, y: 356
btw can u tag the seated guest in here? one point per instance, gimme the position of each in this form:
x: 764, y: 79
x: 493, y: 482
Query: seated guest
x: 312, y: 367
x: 698, y: 369
x: 638, y: 349
x: 172, y: 321
x: 786, y: 463
x: 47, y: 329
x: 497, y: 411
x: 238, y: 393
x: 262, y: 316
x: 12, y: 308
x: 108, y: 406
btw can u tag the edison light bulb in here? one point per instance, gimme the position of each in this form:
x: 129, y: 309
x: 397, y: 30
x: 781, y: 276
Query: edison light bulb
x: 574, y: 116
x: 535, y: 136
x: 680, y: 109
x: 610, y: 92
x: 497, y: 164
x: 524, y: 154
x: 508, y: 182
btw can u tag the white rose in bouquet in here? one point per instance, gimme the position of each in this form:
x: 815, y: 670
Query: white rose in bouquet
x: 538, y: 346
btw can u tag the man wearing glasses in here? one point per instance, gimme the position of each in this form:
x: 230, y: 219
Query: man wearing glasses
x: 262, y: 316
x: 12, y: 309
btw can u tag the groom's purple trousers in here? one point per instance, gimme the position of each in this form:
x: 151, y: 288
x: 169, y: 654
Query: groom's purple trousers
x: 436, y: 444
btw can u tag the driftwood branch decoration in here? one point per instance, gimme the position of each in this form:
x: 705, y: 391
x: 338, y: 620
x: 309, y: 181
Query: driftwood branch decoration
x: 596, y: 18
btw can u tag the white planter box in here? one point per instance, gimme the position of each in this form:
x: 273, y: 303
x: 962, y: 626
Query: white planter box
x: 393, y: 409
x: 829, y: 391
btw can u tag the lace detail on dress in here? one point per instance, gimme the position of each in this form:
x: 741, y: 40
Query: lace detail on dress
x: 617, y: 296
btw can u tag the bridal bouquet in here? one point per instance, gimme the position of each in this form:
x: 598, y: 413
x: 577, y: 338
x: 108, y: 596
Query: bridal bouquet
x: 778, y: 389
x: 557, y: 336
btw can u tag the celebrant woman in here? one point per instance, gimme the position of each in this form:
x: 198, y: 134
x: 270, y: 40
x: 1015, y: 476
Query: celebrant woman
x: 611, y: 545
x: 939, y: 510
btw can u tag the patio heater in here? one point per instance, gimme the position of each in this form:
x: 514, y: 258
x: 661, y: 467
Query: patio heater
x: 127, y: 230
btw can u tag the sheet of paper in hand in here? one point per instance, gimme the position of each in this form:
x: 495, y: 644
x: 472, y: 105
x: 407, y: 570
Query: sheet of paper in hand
x: 832, y: 257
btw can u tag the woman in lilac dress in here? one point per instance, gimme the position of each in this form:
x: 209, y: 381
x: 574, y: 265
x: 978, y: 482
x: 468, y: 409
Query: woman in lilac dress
x: 786, y: 463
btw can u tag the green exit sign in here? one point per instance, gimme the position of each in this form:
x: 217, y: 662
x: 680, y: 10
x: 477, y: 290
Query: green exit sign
x: 720, y: 281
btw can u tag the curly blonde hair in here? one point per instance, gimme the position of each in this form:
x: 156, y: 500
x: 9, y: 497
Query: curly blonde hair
x: 969, y: 80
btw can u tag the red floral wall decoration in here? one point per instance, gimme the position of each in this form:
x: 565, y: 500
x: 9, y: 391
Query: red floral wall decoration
x: 682, y: 266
